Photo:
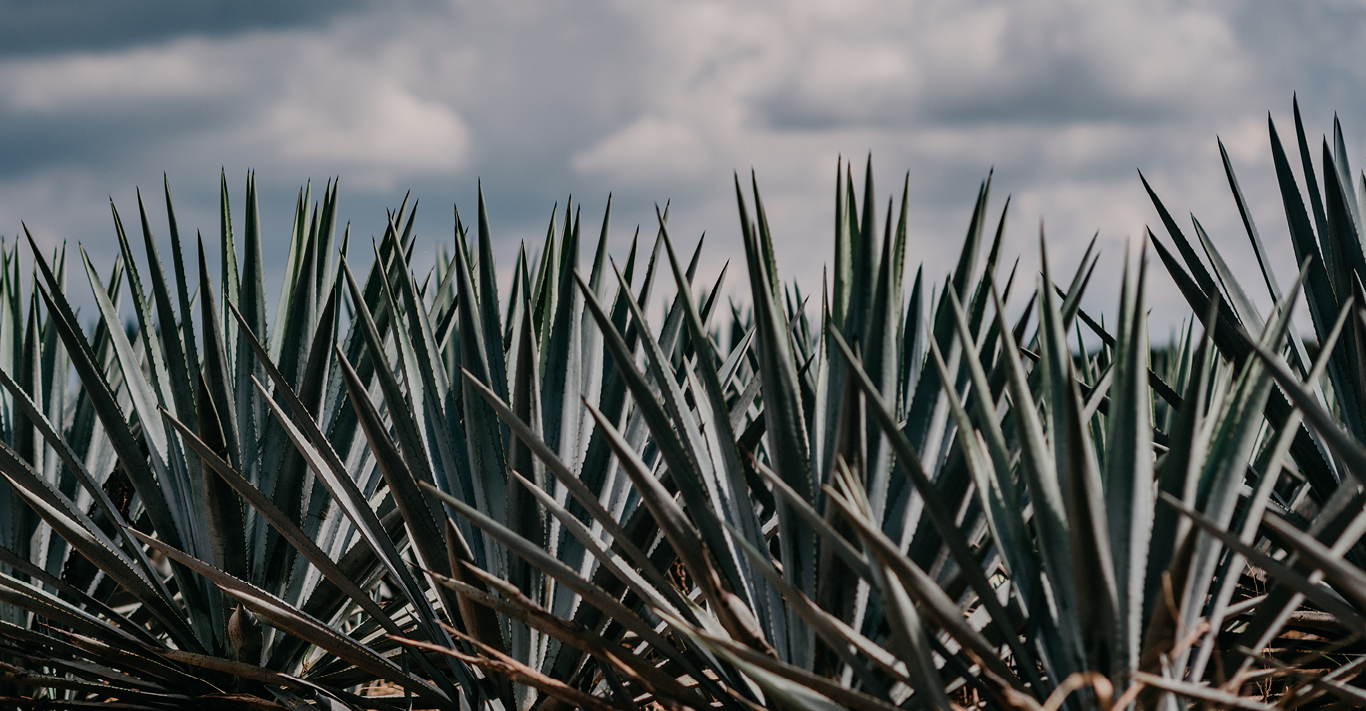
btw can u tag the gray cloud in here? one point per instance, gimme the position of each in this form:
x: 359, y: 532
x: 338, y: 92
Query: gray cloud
x: 663, y: 101
x: 59, y: 26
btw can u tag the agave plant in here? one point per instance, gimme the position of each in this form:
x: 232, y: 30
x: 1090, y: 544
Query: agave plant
x: 134, y: 571
x: 1296, y: 520
x: 406, y: 491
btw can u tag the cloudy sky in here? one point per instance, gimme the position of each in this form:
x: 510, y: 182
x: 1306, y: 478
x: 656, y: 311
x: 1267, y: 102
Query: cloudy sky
x: 663, y: 101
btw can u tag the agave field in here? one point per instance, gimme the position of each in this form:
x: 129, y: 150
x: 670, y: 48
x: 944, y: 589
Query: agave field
x: 404, y: 489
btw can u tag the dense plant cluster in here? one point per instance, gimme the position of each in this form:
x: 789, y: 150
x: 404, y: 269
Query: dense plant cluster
x: 407, y: 490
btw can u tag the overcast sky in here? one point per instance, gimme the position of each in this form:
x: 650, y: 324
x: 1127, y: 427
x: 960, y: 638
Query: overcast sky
x: 663, y: 101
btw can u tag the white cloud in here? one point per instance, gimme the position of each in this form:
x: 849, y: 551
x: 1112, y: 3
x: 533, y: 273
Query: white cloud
x: 90, y: 81
x: 650, y: 148
x: 376, y: 134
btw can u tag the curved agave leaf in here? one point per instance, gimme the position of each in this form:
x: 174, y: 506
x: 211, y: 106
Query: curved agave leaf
x: 285, y: 616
